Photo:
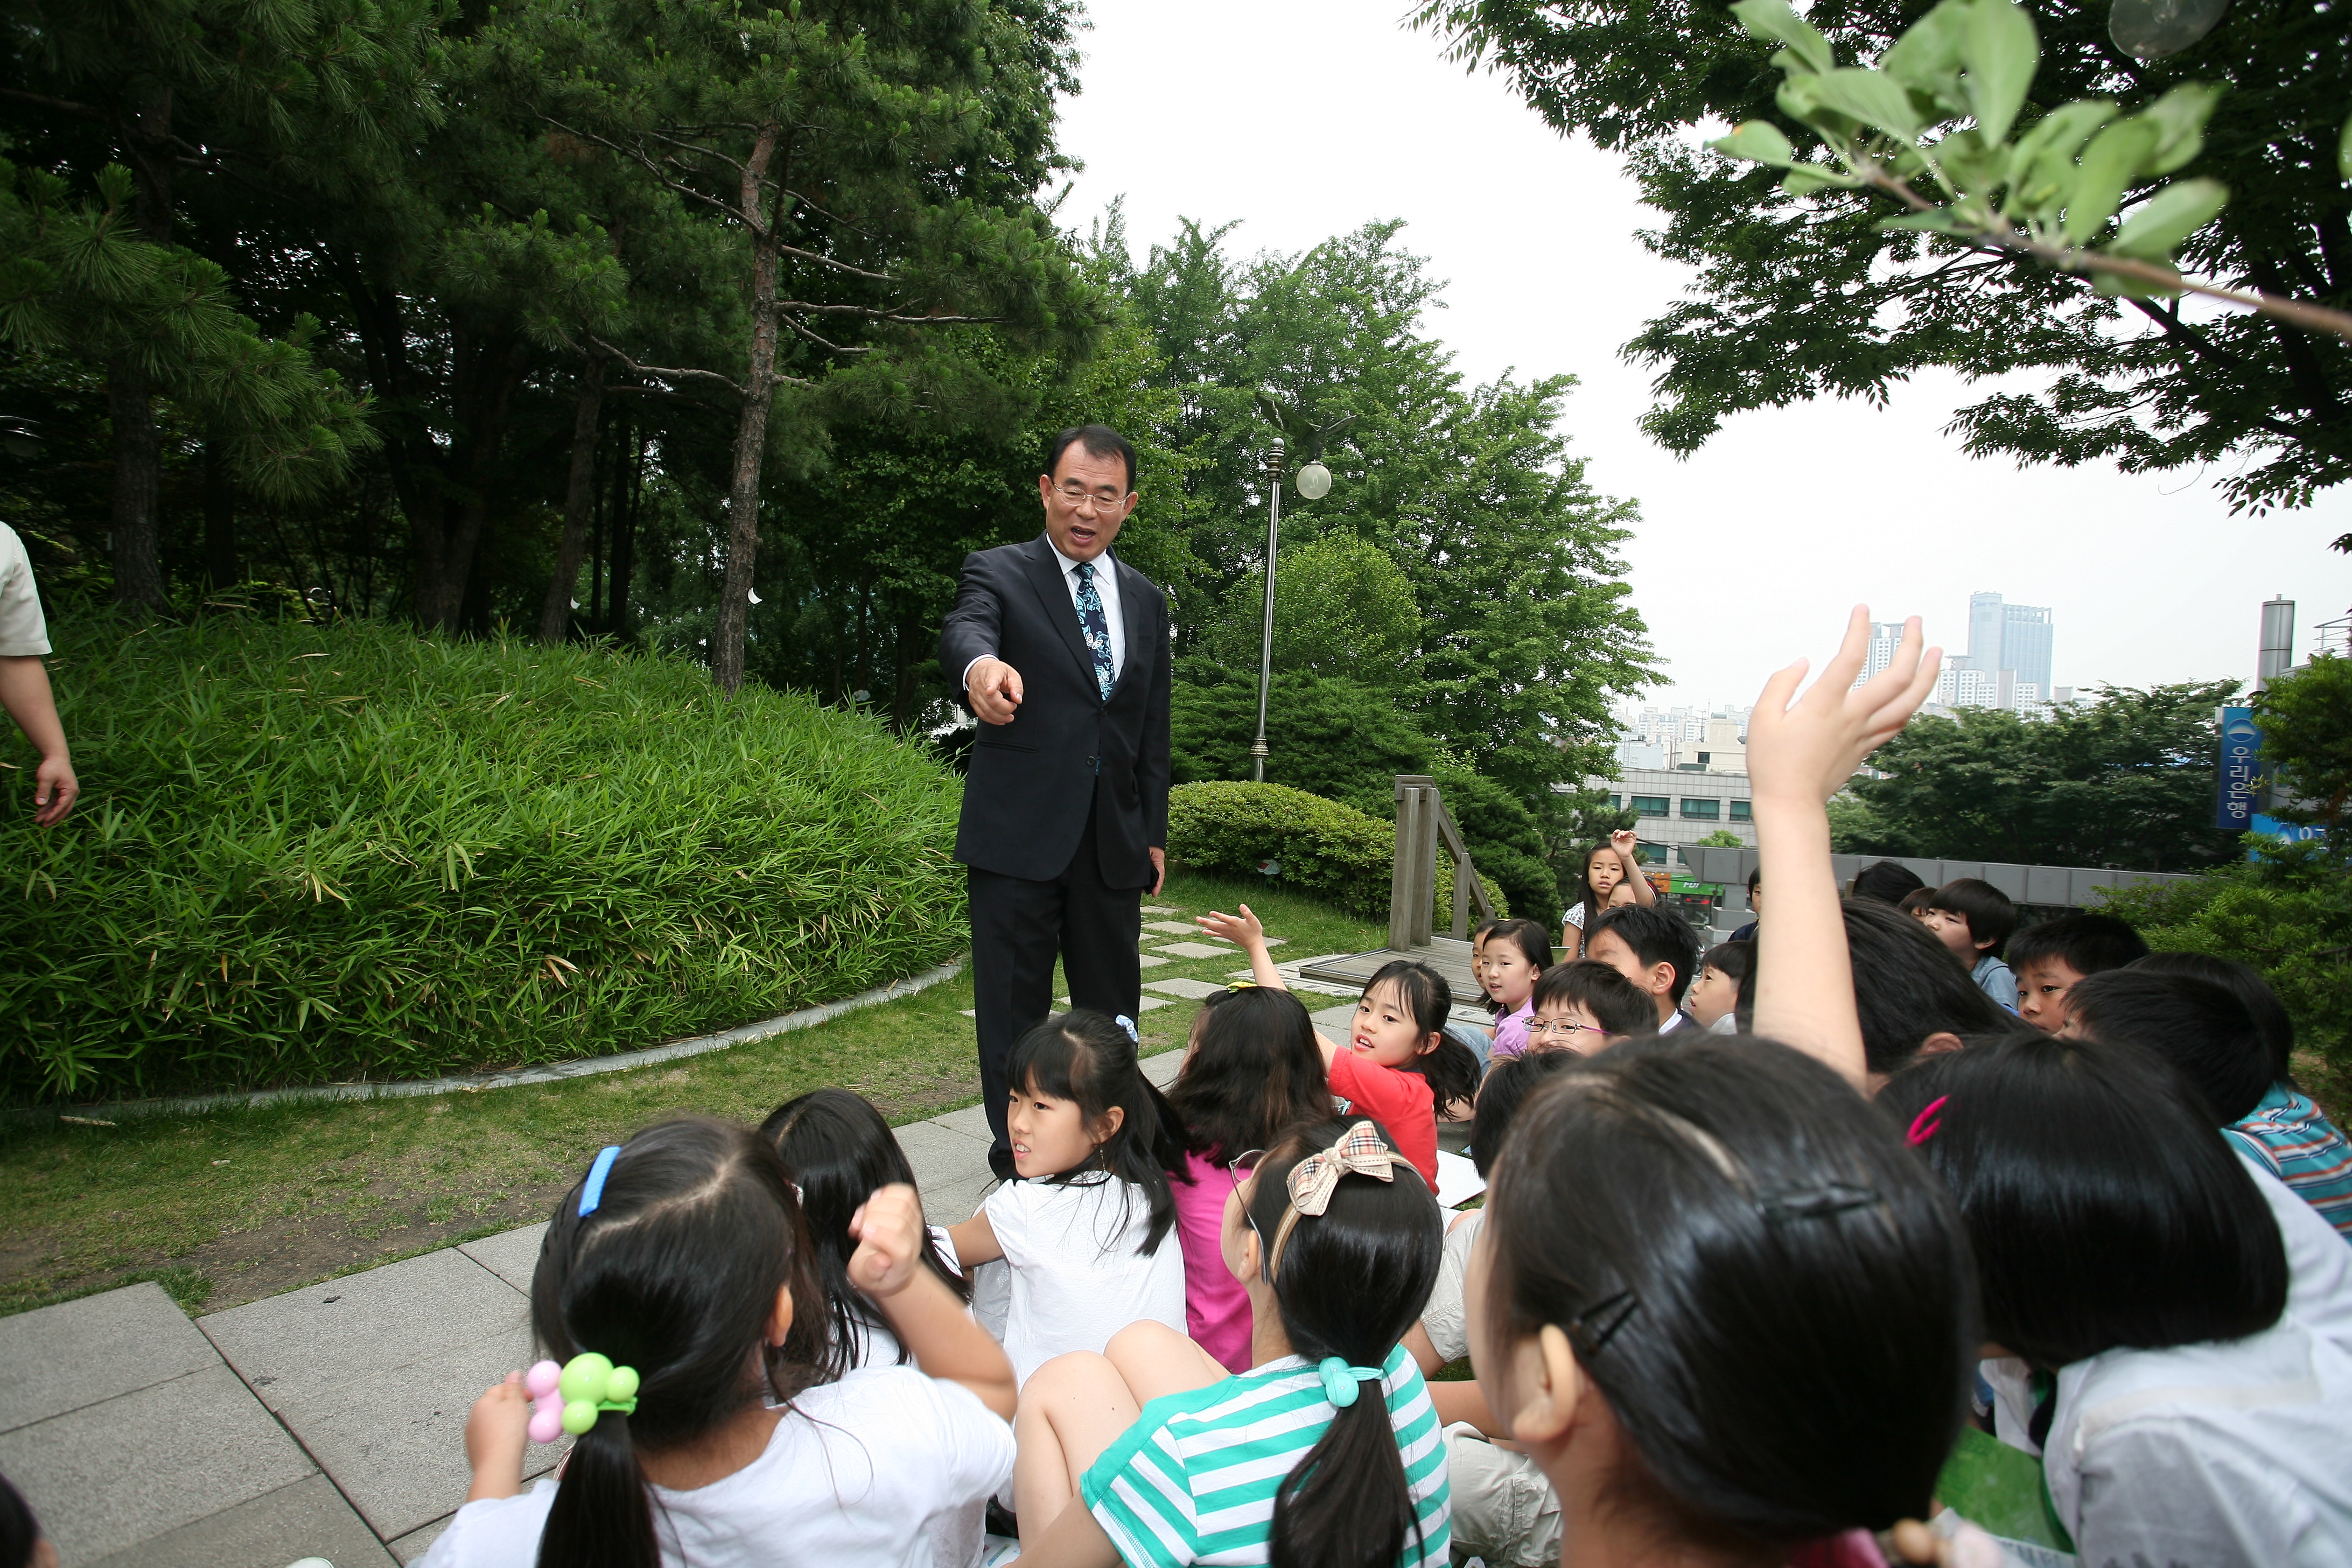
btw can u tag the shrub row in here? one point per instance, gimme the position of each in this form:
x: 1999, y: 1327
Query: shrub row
x: 313, y: 853
x: 1327, y: 850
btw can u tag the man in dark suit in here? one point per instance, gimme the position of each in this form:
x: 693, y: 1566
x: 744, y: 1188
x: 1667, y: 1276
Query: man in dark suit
x: 1061, y: 653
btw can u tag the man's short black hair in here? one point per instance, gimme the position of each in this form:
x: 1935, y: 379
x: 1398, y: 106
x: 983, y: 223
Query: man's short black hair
x: 1099, y: 440
x: 2105, y: 1209
x: 1907, y: 985
x: 2246, y: 983
x: 1886, y: 881
x: 2086, y: 943
x: 2199, y: 1027
x: 1656, y: 937
x: 1991, y: 916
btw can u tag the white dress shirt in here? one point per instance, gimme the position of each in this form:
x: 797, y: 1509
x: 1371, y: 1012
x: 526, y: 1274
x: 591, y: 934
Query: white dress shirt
x: 1106, y: 587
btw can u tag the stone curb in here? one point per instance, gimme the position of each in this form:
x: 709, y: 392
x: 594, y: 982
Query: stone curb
x: 469, y: 1083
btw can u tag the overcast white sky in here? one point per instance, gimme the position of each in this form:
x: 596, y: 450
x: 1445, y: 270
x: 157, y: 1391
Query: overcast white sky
x: 1307, y: 118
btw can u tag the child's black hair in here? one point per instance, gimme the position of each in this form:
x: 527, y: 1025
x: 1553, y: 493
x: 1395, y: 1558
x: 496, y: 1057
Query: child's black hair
x: 2107, y: 1208
x: 1777, y: 1308
x: 1907, y: 985
x: 2086, y: 943
x: 1255, y: 1071
x: 675, y: 1273
x: 1735, y: 959
x: 20, y: 1532
x: 1888, y: 881
x: 2245, y: 982
x: 1348, y: 1283
x: 1506, y: 1089
x: 838, y: 1150
x: 2199, y: 1027
x: 1533, y: 940
x: 1917, y: 901
x: 1656, y: 936
x: 1616, y: 1004
x: 1754, y: 878
x: 1451, y: 1067
x: 1991, y: 917
x: 1089, y: 1058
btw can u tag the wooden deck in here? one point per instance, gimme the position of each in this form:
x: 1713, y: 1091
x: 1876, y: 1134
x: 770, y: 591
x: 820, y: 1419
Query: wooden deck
x: 1449, y: 957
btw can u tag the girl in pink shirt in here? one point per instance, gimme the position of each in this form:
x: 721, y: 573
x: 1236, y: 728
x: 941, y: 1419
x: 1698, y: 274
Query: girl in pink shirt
x: 1252, y: 1072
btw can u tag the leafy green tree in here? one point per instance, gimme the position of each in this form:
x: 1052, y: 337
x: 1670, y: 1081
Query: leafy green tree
x: 1806, y: 294
x: 1723, y: 839
x: 875, y: 166
x: 1342, y: 606
x: 2305, y: 718
x: 1330, y: 735
x: 1506, y: 841
x: 2126, y: 781
x: 167, y: 109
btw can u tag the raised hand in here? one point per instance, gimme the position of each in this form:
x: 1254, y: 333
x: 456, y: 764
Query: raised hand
x: 1621, y: 841
x: 889, y: 1226
x: 496, y: 1431
x: 1243, y: 930
x: 1808, y: 748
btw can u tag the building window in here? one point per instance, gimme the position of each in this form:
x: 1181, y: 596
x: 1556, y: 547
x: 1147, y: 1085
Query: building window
x: 1613, y: 803
x: 1703, y: 810
x: 1742, y: 811
x: 1653, y: 853
x: 1649, y: 806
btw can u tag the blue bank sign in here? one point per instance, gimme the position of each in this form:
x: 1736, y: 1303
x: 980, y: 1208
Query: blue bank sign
x: 2239, y: 779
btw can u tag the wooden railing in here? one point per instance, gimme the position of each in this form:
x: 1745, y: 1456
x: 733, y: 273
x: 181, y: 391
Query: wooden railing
x: 1422, y: 822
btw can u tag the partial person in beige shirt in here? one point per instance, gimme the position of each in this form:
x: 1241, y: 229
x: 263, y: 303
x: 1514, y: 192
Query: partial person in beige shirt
x: 25, y: 682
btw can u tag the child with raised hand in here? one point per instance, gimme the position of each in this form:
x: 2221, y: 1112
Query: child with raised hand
x: 1517, y: 952
x: 1609, y: 870
x: 837, y: 1150
x: 1252, y: 1072
x: 2051, y: 958
x: 1084, y: 1221
x: 675, y: 1284
x: 1325, y: 1454
x: 2174, y: 1326
x: 1399, y: 1065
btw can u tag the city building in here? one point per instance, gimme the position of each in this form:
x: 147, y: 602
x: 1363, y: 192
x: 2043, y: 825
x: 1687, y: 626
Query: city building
x: 1685, y: 740
x: 2012, y: 640
x: 1675, y: 806
x: 1885, y: 636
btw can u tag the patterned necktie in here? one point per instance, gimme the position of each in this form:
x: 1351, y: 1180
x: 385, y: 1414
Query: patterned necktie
x: 1096, y: 627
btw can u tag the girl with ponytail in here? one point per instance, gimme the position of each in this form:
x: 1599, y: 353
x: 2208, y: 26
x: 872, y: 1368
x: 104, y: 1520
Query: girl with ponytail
x: 675, y: 1287
x: 1325, y: 1454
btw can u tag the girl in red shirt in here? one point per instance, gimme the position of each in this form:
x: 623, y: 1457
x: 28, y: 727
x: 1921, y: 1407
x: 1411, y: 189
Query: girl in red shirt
x: 1398, y: 1066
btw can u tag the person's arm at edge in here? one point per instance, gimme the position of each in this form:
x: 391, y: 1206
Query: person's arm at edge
x: 973, y: 629
x: 924, y: 1313
x: 1463, y: 1402
x: 24, y: 693
x: 1800, y: 754
x: 975, y: 1242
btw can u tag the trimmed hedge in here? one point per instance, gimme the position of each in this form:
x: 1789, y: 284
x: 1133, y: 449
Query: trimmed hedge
x: 310, y: 853
x: 1329, y: 851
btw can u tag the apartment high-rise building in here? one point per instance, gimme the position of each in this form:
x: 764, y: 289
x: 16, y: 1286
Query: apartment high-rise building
x: 2012, y: 638
x: 1885, y: 636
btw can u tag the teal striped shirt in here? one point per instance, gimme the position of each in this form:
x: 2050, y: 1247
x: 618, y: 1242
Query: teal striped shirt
x: 1193, y: 1480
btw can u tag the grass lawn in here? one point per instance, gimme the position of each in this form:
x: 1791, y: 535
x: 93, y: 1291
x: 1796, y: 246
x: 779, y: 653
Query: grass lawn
x: 232, y: 1205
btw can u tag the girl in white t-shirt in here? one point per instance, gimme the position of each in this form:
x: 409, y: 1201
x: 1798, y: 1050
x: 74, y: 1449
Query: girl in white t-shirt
x: 675, y: 1285
x: 837, y: 1150
x: 1084, y: 1225
x: 1610, y: 878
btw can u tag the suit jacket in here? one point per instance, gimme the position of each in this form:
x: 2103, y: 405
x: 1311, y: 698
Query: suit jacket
x: 1067, y: 750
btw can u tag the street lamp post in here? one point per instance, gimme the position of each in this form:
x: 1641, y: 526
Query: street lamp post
x: 1265, y: 642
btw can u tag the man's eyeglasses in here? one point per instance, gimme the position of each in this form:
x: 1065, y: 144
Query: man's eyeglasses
x: 1078, y: 495
x: 1562, y: 1027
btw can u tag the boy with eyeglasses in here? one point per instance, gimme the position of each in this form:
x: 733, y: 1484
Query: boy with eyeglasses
x: 1586, y: 1006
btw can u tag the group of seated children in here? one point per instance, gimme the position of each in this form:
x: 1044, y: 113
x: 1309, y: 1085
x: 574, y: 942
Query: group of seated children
x: 1732, y: 1297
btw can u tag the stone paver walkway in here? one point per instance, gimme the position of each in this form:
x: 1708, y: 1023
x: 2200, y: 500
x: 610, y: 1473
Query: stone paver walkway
x: 327, y: 1421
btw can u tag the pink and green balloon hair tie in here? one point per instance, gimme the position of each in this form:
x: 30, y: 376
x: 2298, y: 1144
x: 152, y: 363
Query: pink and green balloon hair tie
x: 570, y: 1398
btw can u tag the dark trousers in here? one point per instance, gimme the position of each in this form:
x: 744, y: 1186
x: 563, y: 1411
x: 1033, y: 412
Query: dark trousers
x: 1018, y: 927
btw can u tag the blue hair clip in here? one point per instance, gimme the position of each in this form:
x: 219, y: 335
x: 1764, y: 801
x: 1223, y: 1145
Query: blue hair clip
x: 1340, y: 1379
x: 592, y: 1191
x: 1124, y: 1022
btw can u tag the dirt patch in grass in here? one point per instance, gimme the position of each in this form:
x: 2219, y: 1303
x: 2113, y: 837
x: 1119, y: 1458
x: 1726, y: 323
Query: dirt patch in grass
x: 235, y: 1206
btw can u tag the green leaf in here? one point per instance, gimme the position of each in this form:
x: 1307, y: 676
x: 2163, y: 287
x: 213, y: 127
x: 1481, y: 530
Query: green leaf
x: 1757, y: 141
x: 2043, y: 162
x: 2170, y: 216
x: 2117, y: 285
x: 2110, y: 164
x: 1775, y: 23
x: 2179, y: 118
x: 1872, y: 97
x: 2344, y: 153
x: 1926, y: 57
x: 1804, y: 179
x: 2000, y: 51
x: 1941, y: 220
